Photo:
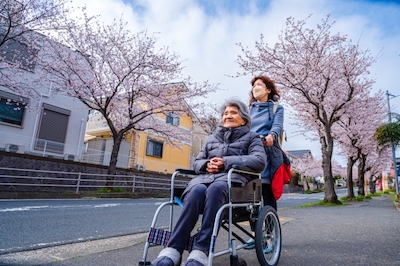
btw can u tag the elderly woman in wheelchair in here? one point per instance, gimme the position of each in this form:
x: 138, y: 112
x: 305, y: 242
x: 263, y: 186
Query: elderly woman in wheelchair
x: 231, y: 144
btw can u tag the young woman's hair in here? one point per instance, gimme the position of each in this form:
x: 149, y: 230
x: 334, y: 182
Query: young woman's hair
x: 243, y: 110
x: 273, y: 95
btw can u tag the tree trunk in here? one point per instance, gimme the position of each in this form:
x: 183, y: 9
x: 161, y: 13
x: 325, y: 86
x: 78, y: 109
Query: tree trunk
x: 327, y: 150
x: 361, y: 180
x: 372, y: 185
x: 349, y: 181
x: 294, y: 180
x: 112, y: 168
x: 306, y: 186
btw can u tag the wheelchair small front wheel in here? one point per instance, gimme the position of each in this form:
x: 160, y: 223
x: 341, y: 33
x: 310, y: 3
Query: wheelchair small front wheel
x: 242, y: 262
x: 268, y: 237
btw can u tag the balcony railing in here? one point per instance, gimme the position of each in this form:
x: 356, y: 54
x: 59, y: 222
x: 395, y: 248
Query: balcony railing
x: 46, y: 148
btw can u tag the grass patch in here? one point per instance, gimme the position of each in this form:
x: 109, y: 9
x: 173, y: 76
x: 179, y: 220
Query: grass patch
x: 320, y: 203
x: 355, y: 199
x: 111, y: 190
x: 343, y: 200
x: 377, y: 194
x: 308, y: 191
x: 393, y: 197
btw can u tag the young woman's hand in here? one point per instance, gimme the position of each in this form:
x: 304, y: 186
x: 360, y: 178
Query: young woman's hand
x: 269, y: 140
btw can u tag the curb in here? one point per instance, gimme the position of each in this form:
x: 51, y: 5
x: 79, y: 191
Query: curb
x: 70, y: 251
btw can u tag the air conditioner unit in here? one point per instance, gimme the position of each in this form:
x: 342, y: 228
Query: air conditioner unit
x: 141, y: 167
x: 15, y: 148
x: 69, y: 157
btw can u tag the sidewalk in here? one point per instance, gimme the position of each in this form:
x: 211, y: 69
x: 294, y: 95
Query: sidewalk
x: 361, y: 233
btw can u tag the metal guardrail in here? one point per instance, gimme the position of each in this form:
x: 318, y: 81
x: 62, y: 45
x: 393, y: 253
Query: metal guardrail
x: 76, y: 182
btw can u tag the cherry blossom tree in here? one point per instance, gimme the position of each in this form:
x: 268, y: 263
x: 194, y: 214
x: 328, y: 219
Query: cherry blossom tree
x: 354, y: 133
x: 376, y: 164
x: 307, y: 166
x: 20, y: 23
x: 320, y: 74
x: 209, y: 116
x: 338, y: 170
x: 351, y: 160
x: 125, y: 77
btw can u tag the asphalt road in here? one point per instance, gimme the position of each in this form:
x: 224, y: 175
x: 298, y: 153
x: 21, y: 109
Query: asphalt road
x: 32, y: 224
x: 361, y: 233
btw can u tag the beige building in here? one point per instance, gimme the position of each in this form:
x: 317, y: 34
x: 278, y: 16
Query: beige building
x: 142, y: 150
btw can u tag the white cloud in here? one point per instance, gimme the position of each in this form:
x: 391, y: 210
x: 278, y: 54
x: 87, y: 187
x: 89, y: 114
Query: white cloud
x: 207, y: 42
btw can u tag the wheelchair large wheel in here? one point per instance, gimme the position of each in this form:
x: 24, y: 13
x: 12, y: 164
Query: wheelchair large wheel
x: 268, y: 237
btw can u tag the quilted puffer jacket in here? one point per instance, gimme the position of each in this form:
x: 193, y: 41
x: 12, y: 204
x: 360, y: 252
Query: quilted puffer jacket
x: 237, y: 146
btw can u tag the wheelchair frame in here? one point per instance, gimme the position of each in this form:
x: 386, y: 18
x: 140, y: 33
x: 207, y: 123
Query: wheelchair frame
x: 267, y: 225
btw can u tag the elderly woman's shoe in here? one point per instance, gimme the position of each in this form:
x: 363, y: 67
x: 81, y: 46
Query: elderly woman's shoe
x: 269, y: 248
x: 167, y: 257
x: 251, y: 244
x: 197, y: 258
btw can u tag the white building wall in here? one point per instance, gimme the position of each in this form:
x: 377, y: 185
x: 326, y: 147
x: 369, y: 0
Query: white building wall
x: 25, y: 136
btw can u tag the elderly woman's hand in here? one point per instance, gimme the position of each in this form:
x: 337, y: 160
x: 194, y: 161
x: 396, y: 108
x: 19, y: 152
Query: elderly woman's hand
x: 215, y: 165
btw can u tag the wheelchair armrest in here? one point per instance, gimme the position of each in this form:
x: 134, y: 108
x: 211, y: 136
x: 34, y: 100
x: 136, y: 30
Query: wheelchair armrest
x: 244, y: 169
x: 236, y: 167
x: 186, y: 171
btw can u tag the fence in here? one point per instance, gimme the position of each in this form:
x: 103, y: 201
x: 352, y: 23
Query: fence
x: 28, y: 180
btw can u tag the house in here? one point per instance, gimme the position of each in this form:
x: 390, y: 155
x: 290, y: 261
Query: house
x: 295, y: 155
x: 36, y: 120
x: 299, y: 162
x: 142, y: 150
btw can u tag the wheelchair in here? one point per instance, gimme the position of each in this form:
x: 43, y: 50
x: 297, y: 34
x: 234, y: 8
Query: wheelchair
x: 244, y: 204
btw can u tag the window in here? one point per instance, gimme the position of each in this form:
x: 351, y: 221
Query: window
x: 154, y: 148
x: 19, y: 53
x: 12, y: 108
x: 52, y: 129
x: 173, y: 119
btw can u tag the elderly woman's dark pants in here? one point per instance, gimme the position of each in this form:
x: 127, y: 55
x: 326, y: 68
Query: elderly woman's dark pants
x: 206, y: 199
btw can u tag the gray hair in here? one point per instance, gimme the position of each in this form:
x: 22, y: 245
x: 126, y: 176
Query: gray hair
x: 243, y: 110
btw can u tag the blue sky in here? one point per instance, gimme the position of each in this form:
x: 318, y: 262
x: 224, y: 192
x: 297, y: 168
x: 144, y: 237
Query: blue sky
x: 205, y: 32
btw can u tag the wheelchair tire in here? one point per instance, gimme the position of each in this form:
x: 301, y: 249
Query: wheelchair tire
x: 268, y: 232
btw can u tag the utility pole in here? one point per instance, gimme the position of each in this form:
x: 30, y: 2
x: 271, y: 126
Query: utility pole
x: 390, y: 96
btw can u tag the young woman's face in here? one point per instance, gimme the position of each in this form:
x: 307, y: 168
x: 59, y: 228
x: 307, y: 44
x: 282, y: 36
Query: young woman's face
x: 260, y: 91
x: 232, y: 118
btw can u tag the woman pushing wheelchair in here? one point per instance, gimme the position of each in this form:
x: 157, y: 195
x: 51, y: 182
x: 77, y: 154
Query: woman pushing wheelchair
x: 231, y: 144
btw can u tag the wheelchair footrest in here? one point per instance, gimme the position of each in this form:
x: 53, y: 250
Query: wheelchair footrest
x: 161, y: 237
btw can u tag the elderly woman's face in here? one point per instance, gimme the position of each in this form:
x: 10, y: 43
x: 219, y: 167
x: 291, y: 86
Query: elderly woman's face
x: 232, y: 118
